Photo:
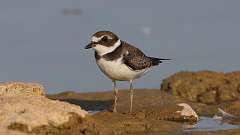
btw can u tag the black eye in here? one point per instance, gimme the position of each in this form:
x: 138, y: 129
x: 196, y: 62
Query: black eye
x: 105, y: 38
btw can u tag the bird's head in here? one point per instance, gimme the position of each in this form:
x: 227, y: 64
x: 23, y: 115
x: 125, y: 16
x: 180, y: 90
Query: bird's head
x: 104, y: 42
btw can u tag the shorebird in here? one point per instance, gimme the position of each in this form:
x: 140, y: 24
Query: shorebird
x: 120, y: 61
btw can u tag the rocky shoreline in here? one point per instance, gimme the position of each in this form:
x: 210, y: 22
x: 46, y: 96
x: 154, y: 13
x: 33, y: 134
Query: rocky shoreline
x: 149, y: 116
x: 183, y: 97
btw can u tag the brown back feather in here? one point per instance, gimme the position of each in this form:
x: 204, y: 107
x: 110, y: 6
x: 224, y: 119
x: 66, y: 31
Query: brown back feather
x: 136, y: 59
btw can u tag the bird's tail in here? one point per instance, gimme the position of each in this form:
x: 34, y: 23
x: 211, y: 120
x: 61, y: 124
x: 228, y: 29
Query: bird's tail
x: 157, y: 61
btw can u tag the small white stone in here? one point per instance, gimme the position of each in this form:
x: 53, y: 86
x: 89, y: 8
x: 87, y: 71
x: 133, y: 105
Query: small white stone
x: 187, y: 111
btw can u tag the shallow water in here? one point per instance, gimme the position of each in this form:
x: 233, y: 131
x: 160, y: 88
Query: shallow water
x: 209, y: 124
x: 93, y: 112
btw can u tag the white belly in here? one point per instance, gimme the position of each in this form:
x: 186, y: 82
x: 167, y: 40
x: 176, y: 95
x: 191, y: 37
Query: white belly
x: 117, y: 70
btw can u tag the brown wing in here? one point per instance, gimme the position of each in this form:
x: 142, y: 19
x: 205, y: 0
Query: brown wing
x: 136, y: 59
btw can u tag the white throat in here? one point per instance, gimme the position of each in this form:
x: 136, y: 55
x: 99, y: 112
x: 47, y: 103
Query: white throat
x: 102, y: 50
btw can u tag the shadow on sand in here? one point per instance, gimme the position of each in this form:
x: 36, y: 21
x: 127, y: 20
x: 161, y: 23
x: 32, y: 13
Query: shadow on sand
x: 93, y: 105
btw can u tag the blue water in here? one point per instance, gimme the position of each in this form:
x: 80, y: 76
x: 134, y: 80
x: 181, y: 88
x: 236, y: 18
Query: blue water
x: 209, y: 124
x: 43, y: 40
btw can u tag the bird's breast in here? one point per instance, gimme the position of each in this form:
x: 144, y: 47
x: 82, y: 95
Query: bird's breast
x: 117, y: 70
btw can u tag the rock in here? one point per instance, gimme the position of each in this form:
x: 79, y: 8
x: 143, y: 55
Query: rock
x: 232, y: 108
x: 23, y: 106
x: 187, y: 112
x: 124, y: 124
x: 148, y: 104
x: 203, y: 109
x: 238, y: 88
x: 224, y: 115
x: 207, y: 97
x: 224, y: 94
x: 230, y: 112
x: 75, y: 126
x: 16, y: 88
x: 204, y: 86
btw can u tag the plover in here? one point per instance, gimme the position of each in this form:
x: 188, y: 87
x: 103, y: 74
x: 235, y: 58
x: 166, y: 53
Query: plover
x: 120, y: 61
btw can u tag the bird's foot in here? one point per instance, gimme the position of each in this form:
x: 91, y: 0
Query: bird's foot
x: 130, y: 111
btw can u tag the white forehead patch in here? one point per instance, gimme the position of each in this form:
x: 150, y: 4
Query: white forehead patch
x: 96, y: 39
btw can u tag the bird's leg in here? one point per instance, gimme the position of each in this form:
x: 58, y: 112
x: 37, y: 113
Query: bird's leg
x: 115, y: 96
x: 131, y: 96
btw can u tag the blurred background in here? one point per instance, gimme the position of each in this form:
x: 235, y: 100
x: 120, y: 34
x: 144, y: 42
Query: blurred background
x: 43, y: 41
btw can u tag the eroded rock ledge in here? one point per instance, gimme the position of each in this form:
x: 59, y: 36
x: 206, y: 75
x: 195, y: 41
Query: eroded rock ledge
x: 25, y: 104
x: 21, y: 88
x: 207, y: 87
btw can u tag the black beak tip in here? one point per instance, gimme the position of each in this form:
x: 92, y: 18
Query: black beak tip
x: 88, y: 46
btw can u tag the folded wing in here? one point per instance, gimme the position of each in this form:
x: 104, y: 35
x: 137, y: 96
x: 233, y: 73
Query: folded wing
x: 137, y: 60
